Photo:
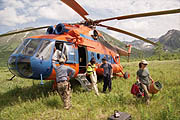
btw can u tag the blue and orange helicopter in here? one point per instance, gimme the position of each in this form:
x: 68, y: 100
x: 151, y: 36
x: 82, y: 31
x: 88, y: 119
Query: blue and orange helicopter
x: 79, y: 42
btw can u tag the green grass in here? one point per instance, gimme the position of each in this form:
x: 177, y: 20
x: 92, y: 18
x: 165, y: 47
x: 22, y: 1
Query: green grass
x: 27, y: 99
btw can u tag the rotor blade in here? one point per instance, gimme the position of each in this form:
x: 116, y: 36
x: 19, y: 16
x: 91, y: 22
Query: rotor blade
x: 120, y: 51
x: 140, y: 15
x: 76, y: 7
x: 21, y: 31
x: 127, y: 33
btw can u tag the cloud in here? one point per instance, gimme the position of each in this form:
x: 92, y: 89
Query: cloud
x: 36, y: 12
x: 56, y: 11
x: 10, y: 18
x: 13, y: 3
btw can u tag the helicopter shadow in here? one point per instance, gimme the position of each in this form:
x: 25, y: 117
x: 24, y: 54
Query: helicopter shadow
x: 19, y: 94
x: 31, y: 93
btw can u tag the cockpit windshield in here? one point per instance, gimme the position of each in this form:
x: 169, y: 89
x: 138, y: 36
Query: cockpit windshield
x: 31, y: 47
x: 21, y: 46
x: 44, y: 51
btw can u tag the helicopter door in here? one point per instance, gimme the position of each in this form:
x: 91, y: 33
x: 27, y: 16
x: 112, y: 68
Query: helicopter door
x: 82, y: 51
x: 69, y: 52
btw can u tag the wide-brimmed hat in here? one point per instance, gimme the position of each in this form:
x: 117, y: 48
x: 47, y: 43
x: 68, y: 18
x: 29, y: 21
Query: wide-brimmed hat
x: 61, y: 60
x: 144, y: 62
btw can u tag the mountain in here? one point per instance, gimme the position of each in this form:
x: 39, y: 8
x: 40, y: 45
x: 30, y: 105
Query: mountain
x: 141, y: 45
x: 170, y: 42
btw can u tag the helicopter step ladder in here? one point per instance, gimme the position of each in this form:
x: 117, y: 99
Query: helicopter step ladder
x: 84, y: 82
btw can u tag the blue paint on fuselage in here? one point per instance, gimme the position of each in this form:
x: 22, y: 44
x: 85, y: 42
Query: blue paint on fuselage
x: 85, y: 36
x: 99, y: 57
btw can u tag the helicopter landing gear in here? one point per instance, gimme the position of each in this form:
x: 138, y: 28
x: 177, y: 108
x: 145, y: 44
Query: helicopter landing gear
x: 12, y: 78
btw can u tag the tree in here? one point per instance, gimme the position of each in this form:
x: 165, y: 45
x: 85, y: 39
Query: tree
x: 159, y: 50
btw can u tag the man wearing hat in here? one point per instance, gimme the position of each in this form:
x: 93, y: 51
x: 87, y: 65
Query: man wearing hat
x: 108, y: 71
x: 63, y: 74
x: 144, y: 78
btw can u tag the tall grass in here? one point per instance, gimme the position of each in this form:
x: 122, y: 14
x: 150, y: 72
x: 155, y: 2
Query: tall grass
x: 27, y: 99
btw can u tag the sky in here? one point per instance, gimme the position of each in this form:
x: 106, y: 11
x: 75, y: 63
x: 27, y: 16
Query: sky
x: 19, y: 14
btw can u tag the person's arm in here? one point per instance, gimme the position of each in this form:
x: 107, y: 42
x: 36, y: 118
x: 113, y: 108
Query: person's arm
x: 112, y: 72
x: 151, y: 78
x: 71, y: 72
x: 149, y: 75
x: 137, y: 78
x: 111, y: 69
x: 101, y: 66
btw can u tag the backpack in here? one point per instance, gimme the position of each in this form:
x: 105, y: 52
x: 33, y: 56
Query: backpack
x: 137, y: 90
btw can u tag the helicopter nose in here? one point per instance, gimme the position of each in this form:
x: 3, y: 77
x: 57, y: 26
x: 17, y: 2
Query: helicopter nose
x: 20, y: 66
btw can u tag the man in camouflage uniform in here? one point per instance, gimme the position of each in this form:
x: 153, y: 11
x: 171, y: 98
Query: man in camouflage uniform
x: 63, y: 74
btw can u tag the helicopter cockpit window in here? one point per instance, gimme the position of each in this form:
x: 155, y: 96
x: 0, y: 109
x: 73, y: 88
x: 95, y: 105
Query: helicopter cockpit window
x: 21, y: 46
x: 44, y: 51
x: 31, y: 47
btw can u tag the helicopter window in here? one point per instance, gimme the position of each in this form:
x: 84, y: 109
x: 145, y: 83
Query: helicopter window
x: 92, y: 54
x: 98, y: 56
x: 20, y: 47
x: 44, y: 51
x: 31, y: 47
x: 69, y: 52
x: 109, y: 58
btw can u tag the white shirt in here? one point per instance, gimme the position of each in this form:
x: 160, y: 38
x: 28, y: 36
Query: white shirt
x: 57, y: 55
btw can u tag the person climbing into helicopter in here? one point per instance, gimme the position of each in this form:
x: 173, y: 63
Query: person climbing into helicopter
x: 108, y: 71
x: 58, y: 54
x: 63, y: 74
x: 143, y: 77
x: 91, y: 74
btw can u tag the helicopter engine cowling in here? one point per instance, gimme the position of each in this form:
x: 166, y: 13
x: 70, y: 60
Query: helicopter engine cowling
x: 60, y: 29
x: 50, y: 30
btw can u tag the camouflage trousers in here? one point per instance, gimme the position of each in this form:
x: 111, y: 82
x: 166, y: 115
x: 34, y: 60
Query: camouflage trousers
x: 64, y: 90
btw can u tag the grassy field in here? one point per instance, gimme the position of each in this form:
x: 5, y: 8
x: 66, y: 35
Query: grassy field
x: 27, y: 99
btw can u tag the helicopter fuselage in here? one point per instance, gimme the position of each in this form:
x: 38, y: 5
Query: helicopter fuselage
x: 33, y: 58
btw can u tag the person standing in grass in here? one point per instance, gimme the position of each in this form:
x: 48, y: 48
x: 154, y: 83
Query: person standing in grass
x: 63, y: 74
x: 144, y: 78
x: 91, y: 73
x: 108, y: 71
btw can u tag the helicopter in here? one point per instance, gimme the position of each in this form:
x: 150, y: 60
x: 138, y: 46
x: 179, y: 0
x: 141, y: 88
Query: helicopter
x: 79, y: 42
